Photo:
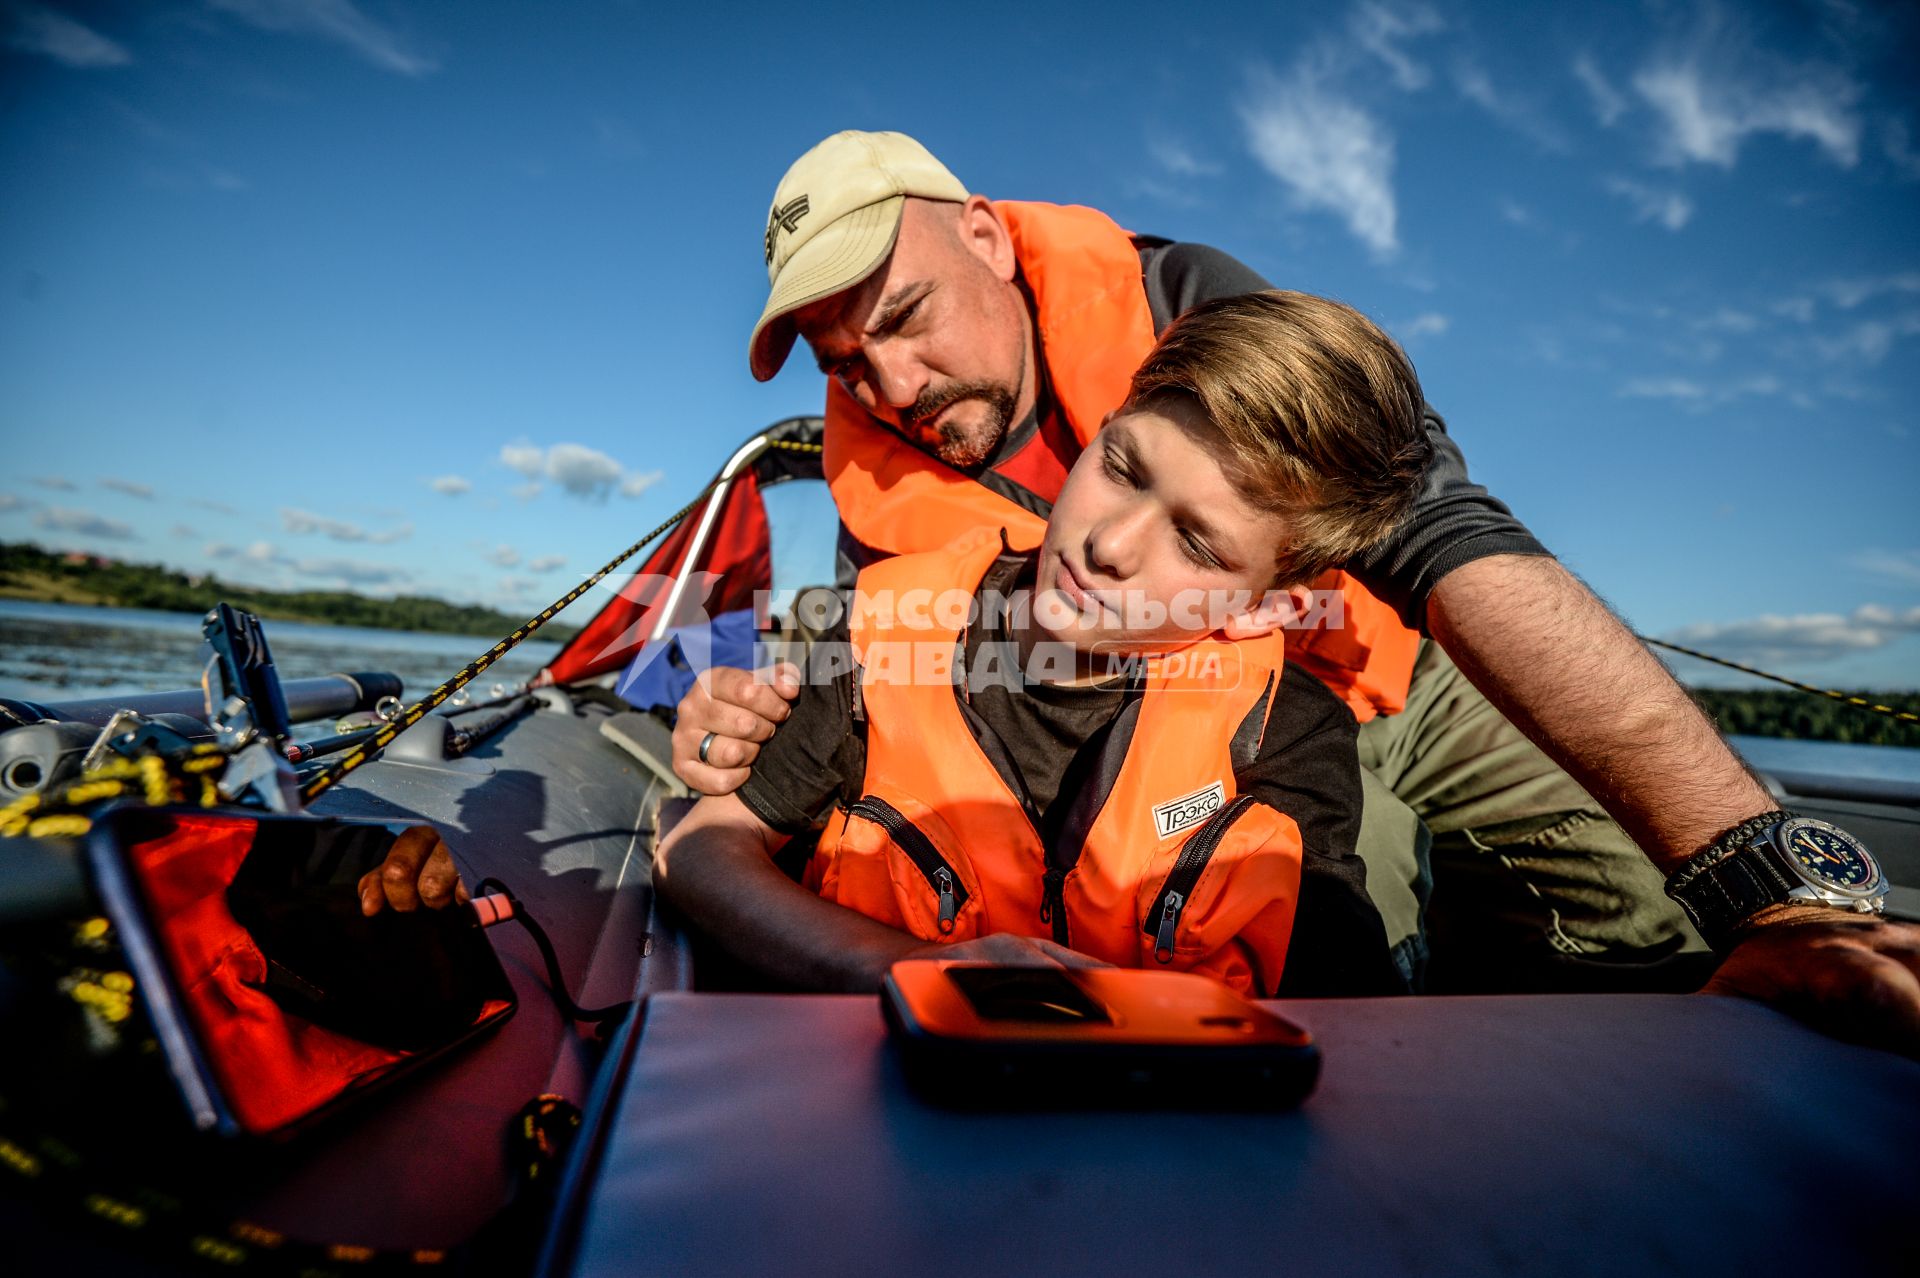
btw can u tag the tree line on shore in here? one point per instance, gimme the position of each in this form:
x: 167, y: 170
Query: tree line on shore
x: 28, y: 571
x: 1801, y: 716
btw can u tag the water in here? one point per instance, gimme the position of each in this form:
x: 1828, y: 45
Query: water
x: 65, y: 652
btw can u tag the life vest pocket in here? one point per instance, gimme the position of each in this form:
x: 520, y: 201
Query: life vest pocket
x: 1226, y: 905
x: 903, y: 849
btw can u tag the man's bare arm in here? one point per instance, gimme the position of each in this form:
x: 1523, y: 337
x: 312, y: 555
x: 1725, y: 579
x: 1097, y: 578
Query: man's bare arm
x: 1564, y: 670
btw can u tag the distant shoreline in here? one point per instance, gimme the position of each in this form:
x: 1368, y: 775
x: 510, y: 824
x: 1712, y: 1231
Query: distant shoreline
x: 33, y: 573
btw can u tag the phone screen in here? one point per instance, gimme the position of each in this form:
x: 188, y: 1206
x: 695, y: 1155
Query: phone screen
x: 1038, y: 995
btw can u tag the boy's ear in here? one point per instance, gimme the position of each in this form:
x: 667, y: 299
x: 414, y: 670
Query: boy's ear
x: 1274, y: 610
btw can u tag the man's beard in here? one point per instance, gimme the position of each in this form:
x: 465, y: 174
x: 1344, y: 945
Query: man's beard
x: 962, y: 447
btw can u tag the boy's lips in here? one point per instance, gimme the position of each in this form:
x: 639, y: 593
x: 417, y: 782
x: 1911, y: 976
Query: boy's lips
x: 1080, y: 595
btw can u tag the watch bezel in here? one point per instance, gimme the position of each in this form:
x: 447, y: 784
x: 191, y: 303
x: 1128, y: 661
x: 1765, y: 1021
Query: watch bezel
x: 1875, y: 886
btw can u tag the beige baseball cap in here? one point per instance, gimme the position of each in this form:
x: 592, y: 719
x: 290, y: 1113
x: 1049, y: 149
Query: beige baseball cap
x: 834, y: 219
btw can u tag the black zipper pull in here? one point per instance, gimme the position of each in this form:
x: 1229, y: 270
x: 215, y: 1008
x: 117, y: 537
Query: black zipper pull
x: 949, y: 904
x: 1169, y: 921
x: 1053, y: 903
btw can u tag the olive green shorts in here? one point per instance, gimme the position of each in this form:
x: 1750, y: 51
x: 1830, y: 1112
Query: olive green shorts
x: 1496, y: 871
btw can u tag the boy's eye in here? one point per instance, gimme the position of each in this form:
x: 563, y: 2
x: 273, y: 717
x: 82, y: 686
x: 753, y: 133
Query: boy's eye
x: 1197, y: 552
x: 1115, y: 468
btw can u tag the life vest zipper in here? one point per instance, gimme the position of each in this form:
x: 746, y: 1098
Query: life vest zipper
x: 1163, y: 917
x: 920, y: 850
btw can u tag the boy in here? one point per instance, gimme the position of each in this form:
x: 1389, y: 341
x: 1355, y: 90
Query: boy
x: 1089, y: 754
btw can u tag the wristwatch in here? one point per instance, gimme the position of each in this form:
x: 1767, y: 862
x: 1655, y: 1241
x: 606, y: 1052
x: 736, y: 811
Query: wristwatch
x: 1769, y: 859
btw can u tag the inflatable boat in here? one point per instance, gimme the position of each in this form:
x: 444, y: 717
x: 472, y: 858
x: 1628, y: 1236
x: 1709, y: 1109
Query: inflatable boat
x: 619, y: 1104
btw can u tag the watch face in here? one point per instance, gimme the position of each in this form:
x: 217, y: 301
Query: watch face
x: 1827, y: 856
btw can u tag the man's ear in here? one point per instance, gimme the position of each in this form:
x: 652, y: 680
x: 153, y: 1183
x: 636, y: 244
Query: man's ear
x: 986, y: 237
x: 1274, y: 610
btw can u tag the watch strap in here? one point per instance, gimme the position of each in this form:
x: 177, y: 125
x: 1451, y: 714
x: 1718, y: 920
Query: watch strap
x: 1731, y: 880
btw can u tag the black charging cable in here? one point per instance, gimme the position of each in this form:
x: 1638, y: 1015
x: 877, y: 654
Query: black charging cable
x: 496, y: 903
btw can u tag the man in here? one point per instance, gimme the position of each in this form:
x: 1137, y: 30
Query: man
x: 969, y: 348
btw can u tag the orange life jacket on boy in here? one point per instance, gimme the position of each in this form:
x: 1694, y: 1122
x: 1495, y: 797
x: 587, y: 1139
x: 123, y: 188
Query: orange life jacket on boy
x: 1094, y: 327
x: 1160, y: 860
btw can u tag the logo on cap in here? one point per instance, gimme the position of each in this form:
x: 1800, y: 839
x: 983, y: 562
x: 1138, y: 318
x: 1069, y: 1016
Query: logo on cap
x: 785, y: 217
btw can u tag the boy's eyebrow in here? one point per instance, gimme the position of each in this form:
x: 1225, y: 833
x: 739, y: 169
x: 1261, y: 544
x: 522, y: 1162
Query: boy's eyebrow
x: 1120, y: 441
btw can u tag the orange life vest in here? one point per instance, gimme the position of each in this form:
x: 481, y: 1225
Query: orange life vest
x: 1159, y: 861
x: 1095, y: 327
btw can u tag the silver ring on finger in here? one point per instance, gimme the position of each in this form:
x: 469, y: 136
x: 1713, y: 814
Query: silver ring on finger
x: 706, y: 744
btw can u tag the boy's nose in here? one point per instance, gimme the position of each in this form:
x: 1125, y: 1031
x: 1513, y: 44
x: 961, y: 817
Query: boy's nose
x: 1114, y: 544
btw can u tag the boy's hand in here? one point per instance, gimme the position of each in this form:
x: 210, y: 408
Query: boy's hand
x: 740, y: 708
x: 1853, y: 978
x: 418, y: 871
x: 1007, y: 950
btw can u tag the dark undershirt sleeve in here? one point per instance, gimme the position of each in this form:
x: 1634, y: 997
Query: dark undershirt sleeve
x: 816, y: 757
x: 1309, y: 768
x: 1454, y: 522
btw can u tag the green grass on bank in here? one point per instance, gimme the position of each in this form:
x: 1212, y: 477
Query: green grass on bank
x: 29, y: 572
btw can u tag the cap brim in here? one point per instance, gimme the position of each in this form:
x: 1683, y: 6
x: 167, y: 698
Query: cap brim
x: 834, y: 260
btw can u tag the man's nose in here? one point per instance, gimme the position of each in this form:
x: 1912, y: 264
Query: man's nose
x: 896, y: 376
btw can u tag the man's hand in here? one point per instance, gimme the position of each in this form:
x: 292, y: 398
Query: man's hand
x: 418, y: 871
x: 741, y: 708
x: 1852, y: 977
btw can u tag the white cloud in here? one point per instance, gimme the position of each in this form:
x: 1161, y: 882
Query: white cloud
x: 451, y: 485
x: 1804, y: 637
x: 1707, y: 114
x: 1608, y: 105
x: 56, y: 483
x: 127, y: 486
x: 1700, y: 396
x: 353, y: 572
x: 1177, y: 158
x: 84, y: 522
x: 1727, y: 320
x: 41, y: 31
x: 638, y: 482
x: 1432, y: 324
x: 546, y: 563
x: 1869, y: 341
x: 306, y: 523
x: 516, y: 587
x: 335, y: 20
x: 504, y: 557
x: 12, y: 502
x: 1513, y: 211
x: 1381, y: 29
x: 1850, y: 293
x: 1901, y: 565
x: 525, y: 458
x: 1328, y: 153
x: 582, y: 471
x: 184, y: 531
x: 1797, y: 309
x: 1896, y: 140
x: 1669, y: 208
x: 1528, y: 119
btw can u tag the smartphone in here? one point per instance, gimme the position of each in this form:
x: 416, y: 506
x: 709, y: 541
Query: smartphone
x: 984, y: 1036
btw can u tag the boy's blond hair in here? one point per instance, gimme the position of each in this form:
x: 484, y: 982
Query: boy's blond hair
x: 1315, y: 415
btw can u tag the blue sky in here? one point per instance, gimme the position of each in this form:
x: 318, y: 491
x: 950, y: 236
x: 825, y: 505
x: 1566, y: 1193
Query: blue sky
x: 454, y: 298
